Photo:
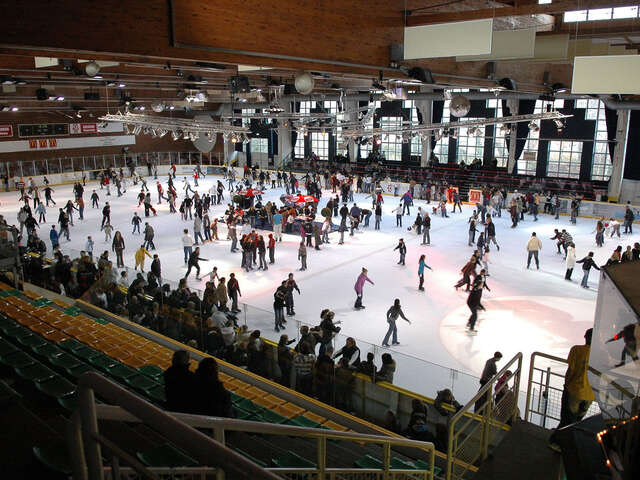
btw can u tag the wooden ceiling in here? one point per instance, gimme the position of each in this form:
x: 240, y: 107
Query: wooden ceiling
x: 163, y: 48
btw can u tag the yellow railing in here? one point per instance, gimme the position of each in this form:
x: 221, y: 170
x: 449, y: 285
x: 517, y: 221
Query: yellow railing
x: 470, y: 436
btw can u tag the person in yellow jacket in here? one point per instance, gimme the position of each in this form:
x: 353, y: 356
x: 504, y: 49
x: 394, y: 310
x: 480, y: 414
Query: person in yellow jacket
x: 577, y: 395
x: 140, y: 254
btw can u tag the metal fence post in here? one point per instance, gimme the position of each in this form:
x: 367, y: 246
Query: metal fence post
x: 89, y: 423
x: 76, y: 450
x: 546, y: 395
x: 322, y: 457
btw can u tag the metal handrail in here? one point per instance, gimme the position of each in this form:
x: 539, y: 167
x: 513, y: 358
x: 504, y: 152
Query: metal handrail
x: 87, y: 440
x: 181, y: 428
x: 593, y: 370
x: 484, y: 422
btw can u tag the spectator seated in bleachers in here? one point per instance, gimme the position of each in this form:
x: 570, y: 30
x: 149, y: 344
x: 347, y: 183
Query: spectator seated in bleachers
x: 179, y: 384
x: 211, y: 398
x: 418, y: 427
x: 388, y: 368
x: 446, y: 397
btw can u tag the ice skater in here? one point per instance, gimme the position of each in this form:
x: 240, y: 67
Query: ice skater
x: 570, y: 261
x: 474, y: 300
x: 194, y: 258
x: 421, y: 266
x: 392, y: 315
x: 136, y: 221
x: 94, y: 200
x: 359, y: 287
x: 302, y: 256
x: 467, y: 271
x: 291, y: 286
x: 587, y: 262
x: 139, y: 257
x: 402, y: 249
x: 534, y: 245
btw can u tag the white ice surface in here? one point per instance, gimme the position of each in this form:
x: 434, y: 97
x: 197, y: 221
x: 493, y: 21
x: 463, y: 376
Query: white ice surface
x: 527, y: 310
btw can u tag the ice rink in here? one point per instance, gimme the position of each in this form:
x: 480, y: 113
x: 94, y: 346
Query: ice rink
x: 526, y: 310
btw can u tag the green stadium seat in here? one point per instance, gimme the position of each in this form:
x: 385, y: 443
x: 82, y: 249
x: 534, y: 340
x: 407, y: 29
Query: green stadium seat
x: 6, y: 323
x: 80, y: 369
x: 270, y: 417
x: 249, y: 406
x: 166, y: 455
x: 48, y: 350
x: 157, y: 394
x: 54, y: 457
x: 152, y: 371
x: 35, y: 372
x: 422, y: 465
x: 69, y: 403
x: 32, y: 341
x: 290, y: 459
x: 368, y: 462
x: 121, y: 371
x: 17, y: 359
x: 7, y: 348
x: 18, y: 331
x: 102, y: 361
x: 302, y: 421
x: 56, y: 387
x: 72, y: 345
x: 65, y: 361
x: 141, y: 383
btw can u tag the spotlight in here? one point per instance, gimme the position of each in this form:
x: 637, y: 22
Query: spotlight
x: 60, y: 98
x: 122, y: 85
x: 533, y: 127
x: 92, y: 69
x: 234, y: 138
x: 157, y: 107
x: 322, y: 132
x: 78, y: 114
x: 141, y: 107
x: 171, y: 107
x: 559, y: 124
x: 14, y: 108
x: 162, y: 132
x: 472, y: 130
x: 137, y: 129
x: 378, y: 141
x: 210, y: 137
x: 193, y: 136
x: 504, y: 129
x: 176, y: 135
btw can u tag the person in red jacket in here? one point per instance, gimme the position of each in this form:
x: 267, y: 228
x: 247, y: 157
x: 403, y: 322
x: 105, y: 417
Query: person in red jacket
x: 467, y: 271
x: 271, y: 246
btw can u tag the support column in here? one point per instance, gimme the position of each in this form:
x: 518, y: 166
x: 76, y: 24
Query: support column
x: 284, y: 139
x: 619, y: 155
x: 424, y: 107
x: 352, y: 107
x: 513, y: 136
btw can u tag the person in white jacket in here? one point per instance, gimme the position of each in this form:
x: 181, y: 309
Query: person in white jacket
x: 571, y: 261
x: 534, y: 245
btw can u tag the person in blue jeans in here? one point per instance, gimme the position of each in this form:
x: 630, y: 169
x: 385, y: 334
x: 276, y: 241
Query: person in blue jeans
x: 587, y: 262
x: 392, y: 315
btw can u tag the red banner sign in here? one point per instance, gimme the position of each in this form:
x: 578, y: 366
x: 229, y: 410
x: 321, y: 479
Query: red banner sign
x: 6, y: 131
x: 79, y: 128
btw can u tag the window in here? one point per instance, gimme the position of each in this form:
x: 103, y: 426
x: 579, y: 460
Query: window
x: 470, y: 143
x: 259, y: 145
x: 596, y: 14
x: 305, y: 107
x: 391, y: 146
x: 441, y: 149
x: 320, y: 144
x: 564, y: 159
x: 601, y: 167
x: 416, y: 142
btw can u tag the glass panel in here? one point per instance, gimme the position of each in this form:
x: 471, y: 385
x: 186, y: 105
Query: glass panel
x: 575, y: 16
x: 599, y: 14
x: 625, y: 12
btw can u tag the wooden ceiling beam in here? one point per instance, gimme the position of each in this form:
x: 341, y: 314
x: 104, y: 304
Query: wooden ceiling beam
x: 557, y: 7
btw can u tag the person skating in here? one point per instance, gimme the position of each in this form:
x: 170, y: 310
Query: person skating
x: 149, y: 233
x: 421, y: 266
x: 359, y: 287
x: 473, y: 301
x: 302, y: 256
x: 139, y: 257
x: 467, y: 271
x: 118, y: 246
x: 278, y: 305
x: 426, y: 228
x: 233, y: 289
x: 490, y: 230
x: 534, y: 245
x: 47, y: 195
x: 187, y: 245
x: 156, y: 267
x: 398, y: 212
x: 629, y: 217
x: 136, y: 221
x: 194, y: 258
x: 570, y: 261
x: 106, y: 215
x: 472, y: 231
x: 291, y: 286
x: 262, y: 251
x: 587, y: 262
x: 402, y: 249
x: 392, y: 315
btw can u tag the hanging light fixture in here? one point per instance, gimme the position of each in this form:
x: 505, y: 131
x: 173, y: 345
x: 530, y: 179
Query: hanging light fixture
x: 137, y: 129
x: 533, y: 127
x: 162, y: 132
x: 176, y: 134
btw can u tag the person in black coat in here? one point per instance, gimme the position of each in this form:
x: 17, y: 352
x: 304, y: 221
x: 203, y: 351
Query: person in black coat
x: 179, y: 384
x: 194, y: 258
x: 402, y: 248
x: 211, y: 397
x: 473, y: 301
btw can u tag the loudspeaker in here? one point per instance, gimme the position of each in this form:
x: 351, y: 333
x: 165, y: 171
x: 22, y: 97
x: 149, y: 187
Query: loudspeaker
x: 42, y: 94
x: 396, y: 52
x: 422, y: 74
x: 239, y: 84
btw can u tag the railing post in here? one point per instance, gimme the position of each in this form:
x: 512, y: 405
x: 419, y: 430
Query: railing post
x: 387, y: 460
x: 526, y: 407
x: 487, y: 420
x: 322, y: 457
x: 546, y: 393
x: 75, y: 447
x: 89, y: 423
